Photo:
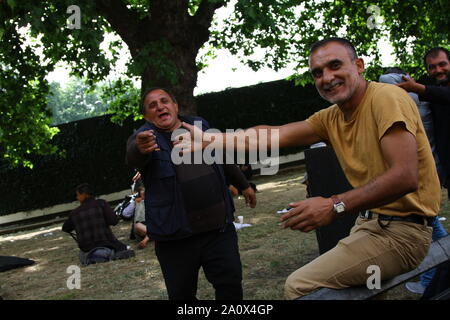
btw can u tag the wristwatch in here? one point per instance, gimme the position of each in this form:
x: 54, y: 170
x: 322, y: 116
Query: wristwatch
x: 338, y: 205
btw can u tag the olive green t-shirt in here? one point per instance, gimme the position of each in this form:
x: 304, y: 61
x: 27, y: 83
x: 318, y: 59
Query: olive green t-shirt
x: 358, y: 148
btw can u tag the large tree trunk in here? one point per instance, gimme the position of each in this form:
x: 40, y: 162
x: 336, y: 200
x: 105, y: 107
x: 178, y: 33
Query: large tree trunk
x: 182, y: 62
x: 164, y: 45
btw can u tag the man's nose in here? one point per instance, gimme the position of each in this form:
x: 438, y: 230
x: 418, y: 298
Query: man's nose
x: 327, y: 76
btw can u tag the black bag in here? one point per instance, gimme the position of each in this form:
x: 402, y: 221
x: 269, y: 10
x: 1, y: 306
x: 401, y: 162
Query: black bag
x: 118, y: 210
x: 8, y: 263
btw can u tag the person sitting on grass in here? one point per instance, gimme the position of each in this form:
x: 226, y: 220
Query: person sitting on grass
x: 91, y: 221
x: 139, y: 228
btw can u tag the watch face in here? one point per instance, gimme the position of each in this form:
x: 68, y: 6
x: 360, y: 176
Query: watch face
x: 340, y: 208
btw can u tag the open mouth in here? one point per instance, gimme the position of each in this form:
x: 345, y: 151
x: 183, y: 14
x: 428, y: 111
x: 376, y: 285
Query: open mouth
x: 163, y: 115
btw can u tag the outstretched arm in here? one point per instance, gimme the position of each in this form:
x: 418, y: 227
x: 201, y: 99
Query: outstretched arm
x: 410, y: 85
x: 399, y: 150
x: 433, y: 94
x: 291, y: 134
x: 139, y: 148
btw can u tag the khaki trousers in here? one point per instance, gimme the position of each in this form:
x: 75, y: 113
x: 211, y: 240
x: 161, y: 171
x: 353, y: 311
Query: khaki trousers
x: 396, y: 248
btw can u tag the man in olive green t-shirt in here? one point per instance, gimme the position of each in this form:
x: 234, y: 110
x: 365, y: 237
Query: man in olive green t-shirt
x: 376, y: 132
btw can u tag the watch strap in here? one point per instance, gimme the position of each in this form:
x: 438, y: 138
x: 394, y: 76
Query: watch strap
x: 335, y: 199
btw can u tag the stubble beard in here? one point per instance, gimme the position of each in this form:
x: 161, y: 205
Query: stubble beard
x: 340, y: 100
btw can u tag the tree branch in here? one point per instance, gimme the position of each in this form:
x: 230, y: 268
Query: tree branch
x: 201, y: 21
x: 170, y: 10
x: 206, y: 11
x: 124, y: 21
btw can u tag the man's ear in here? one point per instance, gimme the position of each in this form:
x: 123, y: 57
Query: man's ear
x: 360, y: 65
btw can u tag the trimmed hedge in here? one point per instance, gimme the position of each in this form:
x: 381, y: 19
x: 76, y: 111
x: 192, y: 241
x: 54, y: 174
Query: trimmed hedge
x: 271, y: 103
x: 94, y: 149
x: 94, y: 152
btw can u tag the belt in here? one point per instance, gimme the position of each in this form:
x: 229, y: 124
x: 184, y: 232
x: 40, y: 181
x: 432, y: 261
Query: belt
x: 415, y: 218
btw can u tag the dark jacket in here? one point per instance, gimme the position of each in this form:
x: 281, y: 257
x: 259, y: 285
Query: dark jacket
x: 439, y: 98
x: 165, y: 215
x: 91, y: 221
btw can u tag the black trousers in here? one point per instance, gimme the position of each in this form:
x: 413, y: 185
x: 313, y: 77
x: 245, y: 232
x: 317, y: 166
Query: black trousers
x: 216, y: 252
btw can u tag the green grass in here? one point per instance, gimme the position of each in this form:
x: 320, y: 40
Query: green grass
x: 268, y: 253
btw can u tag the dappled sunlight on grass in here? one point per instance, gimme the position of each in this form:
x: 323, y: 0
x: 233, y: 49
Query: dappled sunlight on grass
x: 33, y: 268
x: 27, y: 235
x: 273, y: 185
x: 56, y: 239
x: 40, y: 250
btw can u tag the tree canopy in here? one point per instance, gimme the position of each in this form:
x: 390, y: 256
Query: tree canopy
x: 164, y: 39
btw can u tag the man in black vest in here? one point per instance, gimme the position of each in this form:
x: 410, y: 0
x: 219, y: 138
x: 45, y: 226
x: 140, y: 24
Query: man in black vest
x: 437, y: 62
x: 188, y: 207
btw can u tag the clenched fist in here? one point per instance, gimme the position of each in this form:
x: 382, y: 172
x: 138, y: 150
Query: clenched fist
x: 146, y: 142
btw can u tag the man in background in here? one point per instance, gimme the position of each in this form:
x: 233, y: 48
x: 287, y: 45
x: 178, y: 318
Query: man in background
x: 91, y: 222
x: 437, y: 63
